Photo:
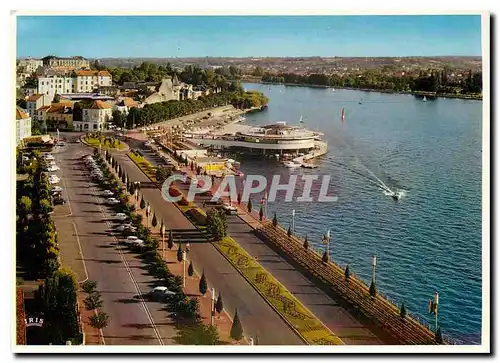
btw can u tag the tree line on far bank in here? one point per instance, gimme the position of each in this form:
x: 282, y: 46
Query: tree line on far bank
x: 438, y: 81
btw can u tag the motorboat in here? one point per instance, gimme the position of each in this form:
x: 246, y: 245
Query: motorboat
x: 309, y: 165
x: 291, y: 164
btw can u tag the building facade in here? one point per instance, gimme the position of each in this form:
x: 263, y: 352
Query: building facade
x: 68, y: 64
x: 88, y: 81
x: 59, y: 116
x: 94, y: 117
x: 23, y: 125
x: 170, y: 89
x: 29, y: 65
x: 50, y: 85
x: 78, y: 82
x: 34, y: 103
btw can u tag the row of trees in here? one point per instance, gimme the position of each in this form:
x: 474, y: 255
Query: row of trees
x: 163, y: 111
x: 429, y: 81
x: 191, y: 74
x: 57, y: 300
x: 187, y: 309
x: 36, y: 235
x: 38, y: 252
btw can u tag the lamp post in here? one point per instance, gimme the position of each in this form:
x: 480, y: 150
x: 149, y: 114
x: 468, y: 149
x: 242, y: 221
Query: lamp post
x: 212, y: 307
x: 148, y: 209
x: 436, y: 301
x: 163, y: 239
x: 327, y: 239
x: 293, y: 220
x: 374, y: 265
x: 183, y: 268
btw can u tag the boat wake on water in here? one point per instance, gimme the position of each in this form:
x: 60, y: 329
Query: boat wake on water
x: 395, y: 193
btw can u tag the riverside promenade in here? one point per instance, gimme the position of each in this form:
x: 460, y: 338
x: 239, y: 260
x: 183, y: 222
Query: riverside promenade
x: 330, y: 277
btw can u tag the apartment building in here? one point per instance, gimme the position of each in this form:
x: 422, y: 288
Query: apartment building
x: 29, y: 65
x: 88, y: 81
x: 23, y: 125
x: 67, y: 64
x: 94, y: 117
x: 34, y: 103
x: 50, y: 85
x: 83, y: 81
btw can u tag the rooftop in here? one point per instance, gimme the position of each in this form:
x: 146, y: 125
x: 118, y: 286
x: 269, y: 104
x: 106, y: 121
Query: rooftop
x: 99, y: 105
x: 20, y: 114
x: 93, y: 73
x: 34, y: 97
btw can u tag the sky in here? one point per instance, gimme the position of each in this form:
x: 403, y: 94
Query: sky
x: 249, y: 36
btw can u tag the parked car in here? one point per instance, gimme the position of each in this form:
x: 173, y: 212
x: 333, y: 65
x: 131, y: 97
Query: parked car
x: 107, y: 193
x: 126, y: 227
x: 53, y: 168
x: 48, y: 157
x: 56, y: 189
x: 229, y: 209
x: 112, y: 201
x: 161, y: 293
x: 56, y: 200
x: 120, y: 216
x: 134, y: 240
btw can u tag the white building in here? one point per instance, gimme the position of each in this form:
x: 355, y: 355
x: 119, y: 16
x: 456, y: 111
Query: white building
x: 77, y: 82
x: 34, y: 103
x: 124, y: 104
x: 65, y: 63
x: 94, y: 117
x: 54, y: 84
x: 88, y: 81
x: 30, y: 65
x: 23, y: 125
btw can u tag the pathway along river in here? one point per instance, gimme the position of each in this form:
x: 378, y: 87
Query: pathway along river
x: 428, y: 241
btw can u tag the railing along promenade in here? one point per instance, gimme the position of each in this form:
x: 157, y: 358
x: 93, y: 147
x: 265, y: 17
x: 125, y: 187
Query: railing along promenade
x: 354, y: 292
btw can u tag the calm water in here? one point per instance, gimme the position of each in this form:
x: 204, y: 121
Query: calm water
x: 428, y: 241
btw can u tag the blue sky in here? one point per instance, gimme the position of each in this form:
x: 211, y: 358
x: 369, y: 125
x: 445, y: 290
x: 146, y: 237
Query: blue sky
x: 243, y: 36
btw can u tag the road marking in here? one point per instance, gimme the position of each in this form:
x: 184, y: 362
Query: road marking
x: 134, y: 282
x: 80, y: 250
x: 81, y: 253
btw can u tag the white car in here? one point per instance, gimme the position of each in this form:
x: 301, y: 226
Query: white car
x: 161, y: 292
x: 49, y: 157
x: 53, y: 168
x: 54, y: 181
x: 107, y: 193
x: 112, y: 201
x: 134, y: 240
x: 120, y: 216
x: 126, y: 227
x: 56, y: 189
x: 229, y: 208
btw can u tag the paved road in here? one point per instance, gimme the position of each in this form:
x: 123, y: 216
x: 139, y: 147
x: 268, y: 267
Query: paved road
x: 120, y: 275
x: 259, y: 320
x: 337, y: 318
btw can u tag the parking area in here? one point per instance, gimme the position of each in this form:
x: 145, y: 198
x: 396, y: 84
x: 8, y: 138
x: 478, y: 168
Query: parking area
x: 88, y: 236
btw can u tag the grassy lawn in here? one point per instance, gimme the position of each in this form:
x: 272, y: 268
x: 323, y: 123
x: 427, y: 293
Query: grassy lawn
x: 105, y: 142
x: 144, y: 165
x: 308, y: 326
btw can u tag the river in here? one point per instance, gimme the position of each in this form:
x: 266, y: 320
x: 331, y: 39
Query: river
x: 428, y: 241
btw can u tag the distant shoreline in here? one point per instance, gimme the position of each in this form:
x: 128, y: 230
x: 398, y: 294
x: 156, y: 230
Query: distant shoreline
x: 414, y: 93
